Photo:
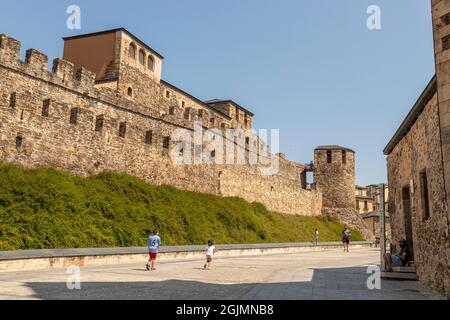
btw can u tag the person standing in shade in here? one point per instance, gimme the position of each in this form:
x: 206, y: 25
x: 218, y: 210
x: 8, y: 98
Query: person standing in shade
x: 316, y: 235
x: 346, y: 238
x: 153, y: 242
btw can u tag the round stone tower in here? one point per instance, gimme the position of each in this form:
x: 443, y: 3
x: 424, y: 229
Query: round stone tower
x: 334, y: 175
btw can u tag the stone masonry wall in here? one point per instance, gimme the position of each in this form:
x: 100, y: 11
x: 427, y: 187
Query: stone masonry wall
x: 53, y: 119
x: 420, y: 150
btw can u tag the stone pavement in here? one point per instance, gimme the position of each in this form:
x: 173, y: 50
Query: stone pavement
x: 311, y: 275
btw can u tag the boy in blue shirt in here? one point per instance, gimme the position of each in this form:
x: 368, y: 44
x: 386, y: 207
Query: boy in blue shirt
x: 153, y: 245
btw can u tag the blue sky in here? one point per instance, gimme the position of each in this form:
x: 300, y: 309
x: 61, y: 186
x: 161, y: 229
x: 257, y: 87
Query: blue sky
x: 309, y: 68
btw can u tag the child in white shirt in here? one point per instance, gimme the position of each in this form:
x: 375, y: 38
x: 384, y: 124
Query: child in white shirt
x: 210, y: 251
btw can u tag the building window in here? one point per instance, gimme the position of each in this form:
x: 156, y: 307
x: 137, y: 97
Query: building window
x: 187, y: 113
x: 149, y: 137
x: 247, y: 140
x: 166, y: 143
x: 237, y: 114
x: 357, y: 205
x: 122, y: 129
x: 446, y: 43
x: 74, y: 115
x: 172, y: 111
x: 12, y: 100
x: 213, y: 154
x: 446, y: 19
x: 142, y: 57
x: 132, y: 51
x: 212, y: 121
x: 183, y: 104
x: 344, y: 157
x: 366, y: 206
x: 99, y: 123
x: 245, y: 120
x: 424, y: 193
x: 46, y: 108
x: 167, y: 94
x: 223, y: 125
x: 200, y: 113
x: 19, y: 141
x: 329, y: 156
x: 151, y: 63
x: 130, y: 92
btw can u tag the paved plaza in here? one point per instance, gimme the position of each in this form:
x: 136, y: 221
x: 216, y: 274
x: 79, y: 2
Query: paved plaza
x: 306, y: 276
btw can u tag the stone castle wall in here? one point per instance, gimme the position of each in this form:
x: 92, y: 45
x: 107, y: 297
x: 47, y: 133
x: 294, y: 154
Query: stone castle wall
x: 71, y: 123
x: 421, y: 150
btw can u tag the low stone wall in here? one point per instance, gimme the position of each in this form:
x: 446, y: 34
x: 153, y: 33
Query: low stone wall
x: 47, y: 259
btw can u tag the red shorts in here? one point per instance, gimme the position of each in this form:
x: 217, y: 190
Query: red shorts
x: 153, y: 256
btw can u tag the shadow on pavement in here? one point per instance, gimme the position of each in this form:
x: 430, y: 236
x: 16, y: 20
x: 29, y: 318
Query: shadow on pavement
x: 326, y: 284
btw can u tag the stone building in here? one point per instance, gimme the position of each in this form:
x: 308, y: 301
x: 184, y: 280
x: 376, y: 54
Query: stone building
x: 334, y: 176
x: 105, y: 106
x: 418, y: 160
x: 364, y: 201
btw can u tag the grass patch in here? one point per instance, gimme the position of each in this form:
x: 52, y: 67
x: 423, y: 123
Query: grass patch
x: 47, y: 208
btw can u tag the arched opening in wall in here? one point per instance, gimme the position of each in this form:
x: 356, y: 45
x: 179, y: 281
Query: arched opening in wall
x: 45, y: 108
x: 344, y: 156
x: 132, y: 51
x: 329, y: 156
x: 19, y: 141
x: 99, y: 123
x: 122, y: 129
x: 151, y: 63
x: 142, y: 57
x: 130, y: 92
x: 12, y: 100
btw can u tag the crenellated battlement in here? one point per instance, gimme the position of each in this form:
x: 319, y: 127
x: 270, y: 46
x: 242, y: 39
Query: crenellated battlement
x: 70, y: 119
x: 9, y: 48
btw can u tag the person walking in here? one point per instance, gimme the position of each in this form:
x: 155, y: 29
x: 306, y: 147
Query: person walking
x: 316, y: 235
x: 153, y: 242
x: 346, y: 239
x: 210, y: 251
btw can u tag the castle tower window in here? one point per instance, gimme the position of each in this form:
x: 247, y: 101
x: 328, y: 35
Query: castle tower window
x: 187, y: 113
x: 245, y: 120
x: 149, y: 137
x: 237, y: 114
x: 446, y: 42
x: 46, y: 108
x: 446, y: 19
x: 424, y: 193
x: 166, y: 142
x: 132, y: 51
x: 142, y: 57
x: 122, y: 129
x: 151, y: 63
x: 344, y: 156
x: 130, y: 92
x: 200, y: 113
x: 99, y: 123
x: 181, y: 153
x: 74, y: 115
x: 213, y: 154
x: 19, y: 141
x: 272, y: 189
x: 247, y: 140
x: 183, y: 104
x: 329, y: 156
x: 167, y: 94
x: 172, y: 111
x: 12, y: 100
